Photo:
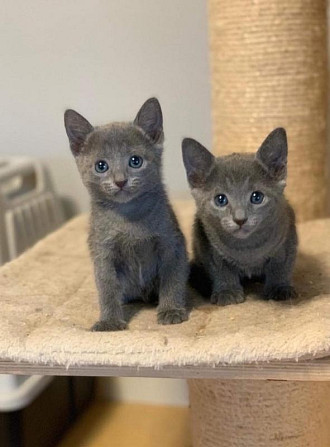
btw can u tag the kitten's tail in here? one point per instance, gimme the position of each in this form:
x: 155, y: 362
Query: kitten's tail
x: 199, y: 280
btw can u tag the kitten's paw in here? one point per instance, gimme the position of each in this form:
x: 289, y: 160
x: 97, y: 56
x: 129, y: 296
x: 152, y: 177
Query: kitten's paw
x: 172, y: 316
x: 280, y: 293
x: 109, y: 325
x: 226, y: 297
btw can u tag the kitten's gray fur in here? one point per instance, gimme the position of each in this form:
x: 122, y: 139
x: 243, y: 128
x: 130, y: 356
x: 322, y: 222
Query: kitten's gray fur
x: 241, y: 239
x: 135, y: 241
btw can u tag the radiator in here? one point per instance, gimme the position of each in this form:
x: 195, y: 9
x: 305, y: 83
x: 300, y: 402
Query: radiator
x: 29, y: 209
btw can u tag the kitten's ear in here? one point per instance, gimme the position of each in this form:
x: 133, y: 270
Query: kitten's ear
x: 197, y: 160
x: 150, y: 119
x: 77, y: 129
x: 273, y: 153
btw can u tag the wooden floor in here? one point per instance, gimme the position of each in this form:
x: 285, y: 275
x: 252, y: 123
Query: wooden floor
x: 125, y: 425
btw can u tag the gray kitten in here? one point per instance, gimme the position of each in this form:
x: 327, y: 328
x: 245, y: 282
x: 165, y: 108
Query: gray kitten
x: 244, y: 227
x: 135, y: 241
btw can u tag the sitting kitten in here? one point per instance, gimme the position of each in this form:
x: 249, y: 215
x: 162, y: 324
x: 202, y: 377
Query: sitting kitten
x: 244, y: 227
x: 135, y: 241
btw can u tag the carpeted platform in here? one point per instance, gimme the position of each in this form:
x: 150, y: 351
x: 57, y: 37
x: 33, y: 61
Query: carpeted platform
x: 48, y: 303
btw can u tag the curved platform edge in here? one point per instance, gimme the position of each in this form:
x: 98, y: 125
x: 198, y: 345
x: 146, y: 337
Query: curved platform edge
x: 308, y: 370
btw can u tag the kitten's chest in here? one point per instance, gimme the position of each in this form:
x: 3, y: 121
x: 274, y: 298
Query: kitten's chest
x: 250, y: 261
x: 125, y: 235
x: 249, y: 264
x: 252, y: 269
x: 136, y: 261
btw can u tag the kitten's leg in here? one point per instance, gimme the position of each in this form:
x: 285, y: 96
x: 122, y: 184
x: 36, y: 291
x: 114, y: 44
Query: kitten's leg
x: 278, y: 272
x: 110, y: 294
x: 173, y: 277
x: 227, y: 288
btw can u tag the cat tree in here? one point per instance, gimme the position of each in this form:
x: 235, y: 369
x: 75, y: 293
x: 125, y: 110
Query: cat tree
x: 259, y: 371
x: 269, y: 69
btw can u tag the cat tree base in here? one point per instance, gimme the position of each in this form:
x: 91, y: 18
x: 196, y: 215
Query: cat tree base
x: 256, y: 413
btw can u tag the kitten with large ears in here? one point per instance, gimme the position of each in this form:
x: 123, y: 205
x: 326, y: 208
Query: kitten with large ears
x: 244, y: 227
x: 135, y: 241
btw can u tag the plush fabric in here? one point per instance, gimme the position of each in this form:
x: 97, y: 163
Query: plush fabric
x: 48, y: 303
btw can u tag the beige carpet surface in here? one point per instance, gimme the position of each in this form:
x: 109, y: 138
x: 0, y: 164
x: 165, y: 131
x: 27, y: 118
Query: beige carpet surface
x: 48, y: 302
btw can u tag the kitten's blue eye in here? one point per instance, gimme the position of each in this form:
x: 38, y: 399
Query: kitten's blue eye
x: 221, y: 200
x: 257, y: 197
x: 101, y: 166
x: 135, y: 161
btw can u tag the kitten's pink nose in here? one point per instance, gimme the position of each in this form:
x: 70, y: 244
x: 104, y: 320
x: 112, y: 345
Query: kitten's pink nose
x: 240, y: 222
x: 121, y: 183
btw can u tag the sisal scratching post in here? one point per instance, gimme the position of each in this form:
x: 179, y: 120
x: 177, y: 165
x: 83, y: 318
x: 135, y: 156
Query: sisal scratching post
x: 247, y: 413
x: 268, y: 65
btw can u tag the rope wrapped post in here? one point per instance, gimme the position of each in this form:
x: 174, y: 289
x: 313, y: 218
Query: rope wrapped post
x: 243, y: 413
x: 269, y: 69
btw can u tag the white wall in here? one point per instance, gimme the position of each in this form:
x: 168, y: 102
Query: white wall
x: 103, y: 58
x: 144, y: 390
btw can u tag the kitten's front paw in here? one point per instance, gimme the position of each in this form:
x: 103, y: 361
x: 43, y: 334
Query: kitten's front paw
x: 109, y: 325
x: 172, y: 316
x: 226, y: 297
x: 280, y: 293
